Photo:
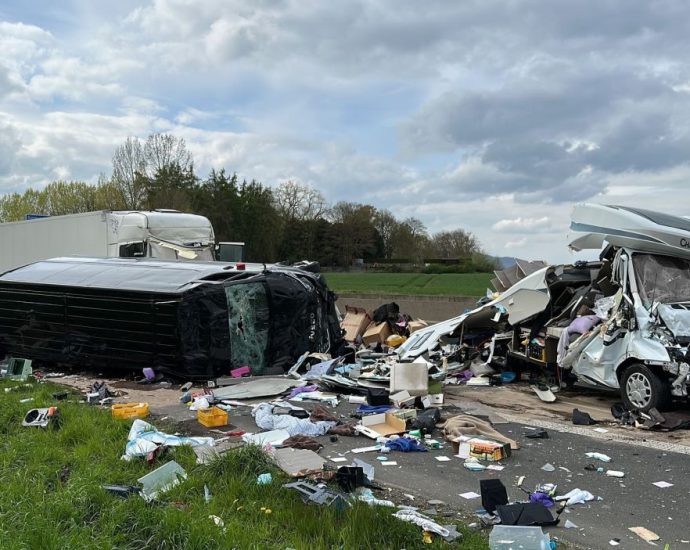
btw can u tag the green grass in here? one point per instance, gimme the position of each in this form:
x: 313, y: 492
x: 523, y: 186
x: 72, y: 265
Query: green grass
x: 38, y: 510
x: 411, y: 284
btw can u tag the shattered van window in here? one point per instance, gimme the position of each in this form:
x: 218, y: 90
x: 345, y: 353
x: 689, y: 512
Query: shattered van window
x: 662, y: 279
x: 248, y: 318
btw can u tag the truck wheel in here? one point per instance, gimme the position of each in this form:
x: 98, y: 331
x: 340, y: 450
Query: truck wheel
x: 642, y: 389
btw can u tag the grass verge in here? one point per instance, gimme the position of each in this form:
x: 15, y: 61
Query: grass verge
x: 411, y: 284
x: 52, y: 497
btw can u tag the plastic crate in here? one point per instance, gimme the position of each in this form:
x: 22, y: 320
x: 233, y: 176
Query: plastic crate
x: 130, y: 410
x: 213, y: 417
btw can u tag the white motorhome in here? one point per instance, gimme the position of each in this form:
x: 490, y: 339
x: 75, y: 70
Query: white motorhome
x: 163, y: 234
x: 622, y: 322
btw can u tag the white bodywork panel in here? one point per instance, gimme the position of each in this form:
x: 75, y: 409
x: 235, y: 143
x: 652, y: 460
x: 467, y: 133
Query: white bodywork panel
x: 677, y: 319
x: 592, y: 224
x: 598, y: 363
x: 524, y: 299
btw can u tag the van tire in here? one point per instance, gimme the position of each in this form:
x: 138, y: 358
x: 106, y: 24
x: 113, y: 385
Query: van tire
x: 642, y: 389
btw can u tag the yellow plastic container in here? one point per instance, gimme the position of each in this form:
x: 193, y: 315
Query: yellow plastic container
x: 212, y: 418
x: 130, y: 410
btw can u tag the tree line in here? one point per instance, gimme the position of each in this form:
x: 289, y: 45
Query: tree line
x: 289, y: 222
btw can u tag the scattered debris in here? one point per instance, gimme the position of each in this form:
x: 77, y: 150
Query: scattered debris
x: 644, y: 533
x: 144, y: 439
x: 42, y: 418
x: 161, y: 480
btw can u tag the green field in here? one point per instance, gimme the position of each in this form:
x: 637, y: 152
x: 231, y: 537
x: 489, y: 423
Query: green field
x: 411, y: 284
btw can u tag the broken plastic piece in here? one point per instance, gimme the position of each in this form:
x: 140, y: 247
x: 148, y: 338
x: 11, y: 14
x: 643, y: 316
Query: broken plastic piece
x: 539, y: 433
x: 264, y: 479
x: 42, y: 418
x: 161, y: 480
x: 318, y: 495
x: 512, y: 536
x: 599, y: 456
x: 18, y: 369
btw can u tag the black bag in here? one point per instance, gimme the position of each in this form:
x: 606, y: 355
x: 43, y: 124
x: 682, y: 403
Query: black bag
x: 493, y: 494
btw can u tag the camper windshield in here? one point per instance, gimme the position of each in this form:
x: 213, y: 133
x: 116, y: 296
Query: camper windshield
x: 663, y: 279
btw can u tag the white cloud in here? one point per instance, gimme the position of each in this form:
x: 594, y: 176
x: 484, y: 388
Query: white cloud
x: 523, y: 225
x: 488, y: 116
x: 517, y: 243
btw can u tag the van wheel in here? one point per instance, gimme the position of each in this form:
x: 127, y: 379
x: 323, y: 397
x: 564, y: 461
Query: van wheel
x: 642, y: 389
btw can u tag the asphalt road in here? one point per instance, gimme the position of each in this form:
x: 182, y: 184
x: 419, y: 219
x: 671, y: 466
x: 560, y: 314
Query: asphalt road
x: 626, y: 502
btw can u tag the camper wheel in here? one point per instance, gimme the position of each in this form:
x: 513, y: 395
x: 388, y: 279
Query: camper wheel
x: 642, y: 389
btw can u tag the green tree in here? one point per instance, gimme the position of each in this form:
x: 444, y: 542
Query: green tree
x: 355, y: 235
x: 386, y: 225
x: 457, y: 243
x: 172, y: 186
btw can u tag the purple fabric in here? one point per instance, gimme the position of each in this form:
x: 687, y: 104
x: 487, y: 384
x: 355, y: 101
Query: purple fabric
x: 542, y: 498
x: 582, y: 324
x: 406, y: 445
x: 149, y: 374
x: 301, y: 389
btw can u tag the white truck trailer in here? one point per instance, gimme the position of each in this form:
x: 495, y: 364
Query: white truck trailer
x: 164, y: 234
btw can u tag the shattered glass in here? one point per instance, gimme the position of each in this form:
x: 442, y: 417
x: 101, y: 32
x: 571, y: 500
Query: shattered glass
x: 248, y: 320
x: 662, y: 279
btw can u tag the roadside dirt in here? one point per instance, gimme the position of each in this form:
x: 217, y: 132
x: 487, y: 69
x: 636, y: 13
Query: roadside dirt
x: 522, y: 405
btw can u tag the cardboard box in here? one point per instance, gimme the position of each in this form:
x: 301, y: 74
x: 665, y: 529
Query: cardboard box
x: 416, y: 325
x: 481, y: 449
x: 356, y: 321
x: 376, y: 333
x: 406, y: 414
x: 376, y: 425
x: 410, y: 377
x: 402, y: 399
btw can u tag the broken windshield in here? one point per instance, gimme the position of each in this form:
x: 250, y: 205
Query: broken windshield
x: 663, y: 279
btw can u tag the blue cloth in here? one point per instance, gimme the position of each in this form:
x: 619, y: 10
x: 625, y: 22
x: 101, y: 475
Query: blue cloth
x: 368, y: 409
x: 406, y: 445
x: 542, y: 498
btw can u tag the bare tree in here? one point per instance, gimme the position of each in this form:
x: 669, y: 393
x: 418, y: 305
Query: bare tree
x: 165, y: 150
x: 129, y: 167
x: 295, y: 201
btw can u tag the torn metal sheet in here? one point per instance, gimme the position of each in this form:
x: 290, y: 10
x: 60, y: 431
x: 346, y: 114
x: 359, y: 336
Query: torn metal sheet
x: 522, y: 305
x: 257, y: 388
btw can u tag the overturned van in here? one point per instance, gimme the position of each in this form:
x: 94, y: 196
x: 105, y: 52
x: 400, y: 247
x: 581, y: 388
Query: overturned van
x: 622, y: 322
x: 190, y: 319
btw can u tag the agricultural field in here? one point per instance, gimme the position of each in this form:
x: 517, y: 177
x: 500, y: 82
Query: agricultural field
x: 411, y: 284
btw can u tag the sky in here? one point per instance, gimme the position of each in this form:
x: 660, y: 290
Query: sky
x: 491, y: 116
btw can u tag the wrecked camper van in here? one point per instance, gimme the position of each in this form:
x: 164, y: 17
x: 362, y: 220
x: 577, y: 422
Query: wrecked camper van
x: 189, y: 319
x: 622, y: 322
